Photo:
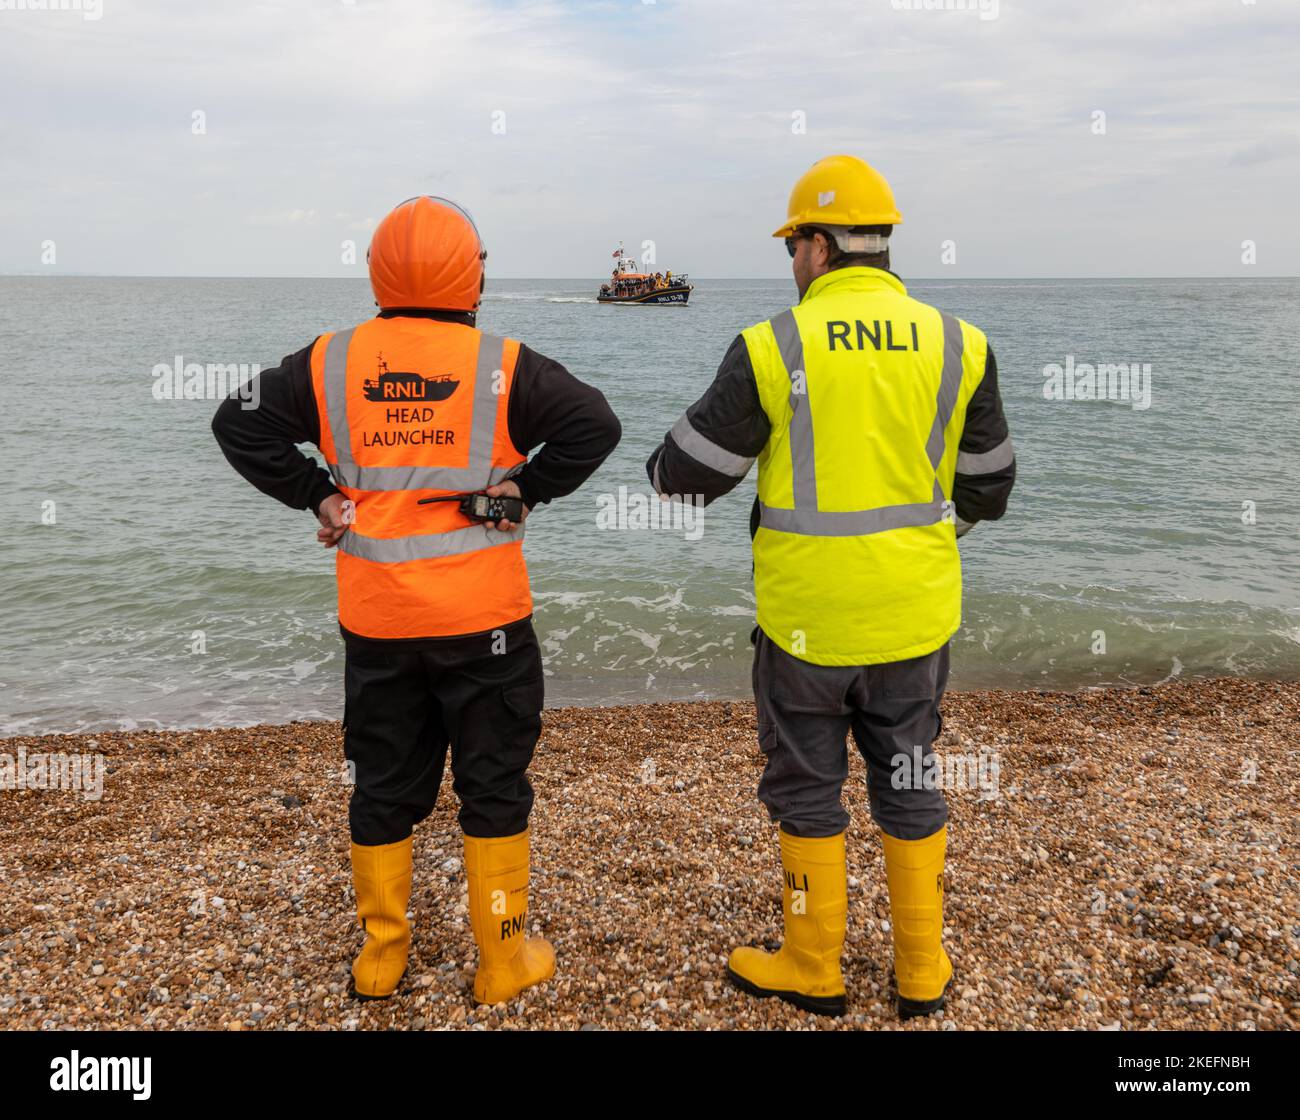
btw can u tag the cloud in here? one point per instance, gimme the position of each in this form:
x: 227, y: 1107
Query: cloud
x: 1265, y: 151
x: 567, y: 126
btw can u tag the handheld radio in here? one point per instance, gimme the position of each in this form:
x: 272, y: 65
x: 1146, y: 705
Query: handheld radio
x: 483, y: 507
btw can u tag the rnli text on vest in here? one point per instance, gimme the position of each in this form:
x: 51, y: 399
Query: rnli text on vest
x: 837, y: 330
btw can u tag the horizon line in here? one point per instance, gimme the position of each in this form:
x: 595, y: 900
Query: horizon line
x: 243, y: 276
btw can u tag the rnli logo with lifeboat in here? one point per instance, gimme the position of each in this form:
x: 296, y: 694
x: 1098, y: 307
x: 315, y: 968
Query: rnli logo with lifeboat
x: 394, y: 386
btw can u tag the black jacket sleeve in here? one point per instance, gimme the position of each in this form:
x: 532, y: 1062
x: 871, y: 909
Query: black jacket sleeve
x: 986, y: 459
x: 261, y: 442
x: 548, y: 405
x: 711, y: 448
x: 571, y: 420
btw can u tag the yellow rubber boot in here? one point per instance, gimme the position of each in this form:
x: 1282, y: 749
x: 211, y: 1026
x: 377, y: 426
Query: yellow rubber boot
x: 509, y: 962
x: 382, y: 877
x: 805, y: 971
x: 914, y: 869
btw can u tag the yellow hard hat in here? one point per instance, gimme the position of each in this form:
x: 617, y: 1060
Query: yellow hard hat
x: 840, y: 191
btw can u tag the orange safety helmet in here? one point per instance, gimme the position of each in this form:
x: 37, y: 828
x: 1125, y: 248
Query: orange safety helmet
x: 427, y: 253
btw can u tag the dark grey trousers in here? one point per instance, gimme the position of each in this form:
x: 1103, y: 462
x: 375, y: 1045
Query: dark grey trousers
x: 805, y: 713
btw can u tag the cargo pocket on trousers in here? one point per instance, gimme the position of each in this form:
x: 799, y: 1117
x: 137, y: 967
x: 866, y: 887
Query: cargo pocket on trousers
x: 917, y: 679
x: 360, y: 666
x: 524, y: 699
x: 800, y: 688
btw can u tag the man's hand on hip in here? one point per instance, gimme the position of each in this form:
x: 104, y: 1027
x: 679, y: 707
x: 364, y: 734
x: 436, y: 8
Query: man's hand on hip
x: 336, y: 514
x: 507, y: 489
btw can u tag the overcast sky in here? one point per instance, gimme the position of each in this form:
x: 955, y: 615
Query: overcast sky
x: 565, y: 127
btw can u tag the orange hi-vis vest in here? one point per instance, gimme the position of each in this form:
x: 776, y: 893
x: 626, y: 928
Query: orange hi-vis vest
x: 414, y: 408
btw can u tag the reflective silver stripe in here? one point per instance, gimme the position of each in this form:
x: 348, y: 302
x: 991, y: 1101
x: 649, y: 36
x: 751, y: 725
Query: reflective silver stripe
x: 336, y: 402
x: 803, y: 460
x: 851, y: 523
x: 987, y: 461
x: 479, y: 471
x: 949, y: 386
x: 416, y: 478
x: 655, y: 481
x: 788, y: 341
x: 705, y: 451
x: 487, y: 373
x: 426, y: 546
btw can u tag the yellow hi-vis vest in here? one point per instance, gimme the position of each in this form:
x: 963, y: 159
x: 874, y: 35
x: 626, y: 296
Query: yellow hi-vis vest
x: 855, y: 558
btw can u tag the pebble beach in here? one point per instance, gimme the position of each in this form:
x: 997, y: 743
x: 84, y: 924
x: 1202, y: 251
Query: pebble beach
x: 1126, y: 861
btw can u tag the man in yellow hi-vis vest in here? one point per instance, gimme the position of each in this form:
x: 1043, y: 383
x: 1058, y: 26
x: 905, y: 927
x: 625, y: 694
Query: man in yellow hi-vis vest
x: 880, y: 439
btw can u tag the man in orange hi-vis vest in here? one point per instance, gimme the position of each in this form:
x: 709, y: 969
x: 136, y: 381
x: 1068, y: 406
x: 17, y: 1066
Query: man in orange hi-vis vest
x: 434, y: 603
